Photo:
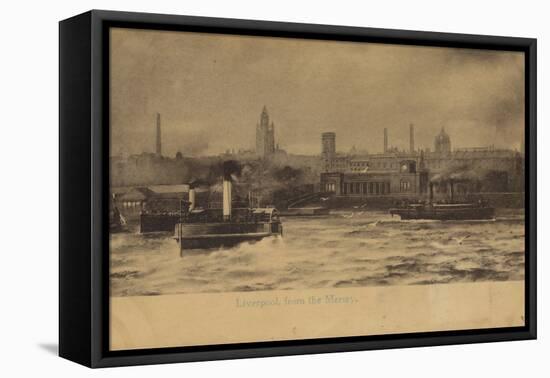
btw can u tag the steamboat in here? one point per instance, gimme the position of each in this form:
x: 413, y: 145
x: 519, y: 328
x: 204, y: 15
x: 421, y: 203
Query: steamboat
x: 445, y: 211
x: 200, y: 228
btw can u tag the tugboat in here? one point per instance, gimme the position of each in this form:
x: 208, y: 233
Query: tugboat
x: 445, y: 211
x: 226, y: 227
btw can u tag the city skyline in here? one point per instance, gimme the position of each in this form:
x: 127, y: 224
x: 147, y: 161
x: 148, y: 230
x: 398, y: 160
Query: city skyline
x: 210, y: 101
x: 387, y: 146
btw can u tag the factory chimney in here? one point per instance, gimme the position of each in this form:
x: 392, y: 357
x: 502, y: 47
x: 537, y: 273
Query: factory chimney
x: 159, y: 145
x: 411, y: 137
x: 385, y: 139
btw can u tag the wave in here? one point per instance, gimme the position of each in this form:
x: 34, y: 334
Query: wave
x: 367, y: 250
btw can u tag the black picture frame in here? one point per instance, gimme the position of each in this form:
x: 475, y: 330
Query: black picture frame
x: 83, y: 181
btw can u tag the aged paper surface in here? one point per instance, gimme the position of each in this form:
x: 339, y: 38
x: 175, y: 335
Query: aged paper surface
x: 273, y: 188
x: 198, y: 319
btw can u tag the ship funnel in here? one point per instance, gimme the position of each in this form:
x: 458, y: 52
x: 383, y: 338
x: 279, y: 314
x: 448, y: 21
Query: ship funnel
x: 226, y: 199
x: 192, y: 200
x: 431, y: 192
x: 230, y: 168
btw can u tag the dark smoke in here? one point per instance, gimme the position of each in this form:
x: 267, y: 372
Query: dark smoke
x: 231, y: 169
x: 271, y: 182
x: 196, y: 183
x: 461, y: 173
x: 210, y: 174
x: 193, y: 144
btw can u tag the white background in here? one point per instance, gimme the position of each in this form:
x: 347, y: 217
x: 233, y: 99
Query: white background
x: 29, y: 190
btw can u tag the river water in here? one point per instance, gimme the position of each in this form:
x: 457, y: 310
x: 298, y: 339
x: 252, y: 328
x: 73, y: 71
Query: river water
x: 344, y: 249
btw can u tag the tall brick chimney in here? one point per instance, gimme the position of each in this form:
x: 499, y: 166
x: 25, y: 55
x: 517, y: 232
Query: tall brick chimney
x: 411, y: 137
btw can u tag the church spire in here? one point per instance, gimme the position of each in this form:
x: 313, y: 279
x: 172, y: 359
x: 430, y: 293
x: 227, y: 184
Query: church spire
x: 265, y: 135
x: 264, y: 118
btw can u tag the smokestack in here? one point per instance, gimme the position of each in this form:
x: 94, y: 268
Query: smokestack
x: 385, y: 140
x: 159, y: 143
x: 226, y: 199
x: 230, y: 167
x: 431, y: 192
x: 411, y: 136
x: 192, y: 200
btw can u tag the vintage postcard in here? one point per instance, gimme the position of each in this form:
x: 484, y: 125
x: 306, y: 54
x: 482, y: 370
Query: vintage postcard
x: 273, y: 188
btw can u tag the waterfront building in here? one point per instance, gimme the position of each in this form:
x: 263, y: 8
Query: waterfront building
x: 409, y: 173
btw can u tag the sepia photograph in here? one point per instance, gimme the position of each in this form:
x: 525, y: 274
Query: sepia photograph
x: 298, y: 181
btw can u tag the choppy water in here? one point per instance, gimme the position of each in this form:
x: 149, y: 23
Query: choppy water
x: 366, y: 249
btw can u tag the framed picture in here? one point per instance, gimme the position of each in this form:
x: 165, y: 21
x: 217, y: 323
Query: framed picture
x: 234, y: 188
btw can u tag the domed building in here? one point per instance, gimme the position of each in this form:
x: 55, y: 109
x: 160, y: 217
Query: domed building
x: 442, y: 142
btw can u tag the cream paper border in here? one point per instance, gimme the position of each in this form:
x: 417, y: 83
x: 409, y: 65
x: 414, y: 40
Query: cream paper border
x: 237, y: 317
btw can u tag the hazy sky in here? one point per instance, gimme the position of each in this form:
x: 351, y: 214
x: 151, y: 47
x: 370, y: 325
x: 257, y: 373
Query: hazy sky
x: 210, y: 90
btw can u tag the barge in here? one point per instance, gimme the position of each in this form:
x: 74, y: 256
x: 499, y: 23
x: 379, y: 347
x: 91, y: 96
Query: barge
x: 452, y: 211
x: 445, y: 211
